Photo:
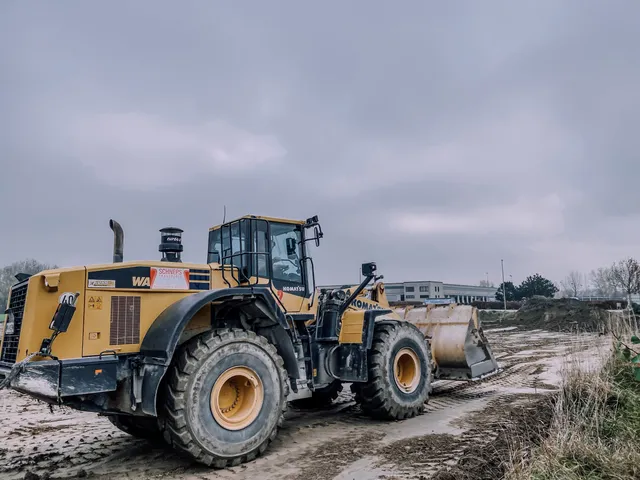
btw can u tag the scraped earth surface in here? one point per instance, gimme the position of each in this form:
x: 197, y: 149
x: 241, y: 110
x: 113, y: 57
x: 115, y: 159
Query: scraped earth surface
x: 335, y: 443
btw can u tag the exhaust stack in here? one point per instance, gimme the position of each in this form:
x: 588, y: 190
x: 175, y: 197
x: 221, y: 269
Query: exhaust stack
x: 118, y: 241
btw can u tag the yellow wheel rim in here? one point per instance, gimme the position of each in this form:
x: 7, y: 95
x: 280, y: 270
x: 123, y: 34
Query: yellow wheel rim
x: 236, y: 398
x: 406, y: 370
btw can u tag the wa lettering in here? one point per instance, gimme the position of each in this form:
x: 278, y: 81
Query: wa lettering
x: 141, y: 282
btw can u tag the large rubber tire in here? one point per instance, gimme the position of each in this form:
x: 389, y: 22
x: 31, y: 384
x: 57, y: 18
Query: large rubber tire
x: 190, y: 425
x: 321, y: 398
x: 144, y: 428
x: 381, y: 397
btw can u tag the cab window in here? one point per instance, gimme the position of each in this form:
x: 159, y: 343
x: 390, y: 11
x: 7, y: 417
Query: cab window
x: 261, y: 249
x: 227, y: 243
x: 286, y: 252
x: 215, y: 247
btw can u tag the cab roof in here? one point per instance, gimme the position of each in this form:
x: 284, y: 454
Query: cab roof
x: 259, y: 217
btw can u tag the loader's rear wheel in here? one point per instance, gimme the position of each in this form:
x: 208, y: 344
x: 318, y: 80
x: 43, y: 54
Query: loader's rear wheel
x: 400, y: 373
x: 139, y: 427
x: 321, y: 398
x: 225, y: 397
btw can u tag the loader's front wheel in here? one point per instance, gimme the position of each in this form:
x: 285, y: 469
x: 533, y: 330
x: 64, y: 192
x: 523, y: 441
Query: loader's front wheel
x: 400, y: 373
x: 225, y: 397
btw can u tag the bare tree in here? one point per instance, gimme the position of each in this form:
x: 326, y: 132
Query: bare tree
x: 573, y: 284
x: 7, y: 276
x: 485, y: 283
x: 602, y: 282
x: 625, y: 275
x: 559, y: 293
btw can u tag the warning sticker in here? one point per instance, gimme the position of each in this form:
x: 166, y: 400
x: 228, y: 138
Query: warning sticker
x: 97, y: 283
x: 169, y: 278
x: 94, y: 303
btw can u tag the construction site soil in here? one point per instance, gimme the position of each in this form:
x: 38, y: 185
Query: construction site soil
x: 520, y: 422
x: 555, y: 315
x: 463, y: 432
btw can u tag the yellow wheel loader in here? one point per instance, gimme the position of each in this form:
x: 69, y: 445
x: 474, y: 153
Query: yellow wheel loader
x: 206, y: 357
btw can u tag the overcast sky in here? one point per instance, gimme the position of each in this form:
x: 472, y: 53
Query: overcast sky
x: 434, y: 138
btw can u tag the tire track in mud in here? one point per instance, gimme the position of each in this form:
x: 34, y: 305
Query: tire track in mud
x: 446, y: 393
x: 428, y: 461
x: 67, y: 442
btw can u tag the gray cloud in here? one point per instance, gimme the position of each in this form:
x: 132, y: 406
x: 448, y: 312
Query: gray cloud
x: 434, y: 139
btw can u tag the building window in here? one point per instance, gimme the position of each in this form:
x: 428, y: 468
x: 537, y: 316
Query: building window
x: 410, y: 296
x: 424, y: 288
x: 410, y: 289
x: 424, y: 296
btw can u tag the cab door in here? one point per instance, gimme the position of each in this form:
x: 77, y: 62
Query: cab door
x: 288, y: 276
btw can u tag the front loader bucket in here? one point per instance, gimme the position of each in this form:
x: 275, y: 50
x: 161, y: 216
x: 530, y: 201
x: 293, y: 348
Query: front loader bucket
x: 460, y: 349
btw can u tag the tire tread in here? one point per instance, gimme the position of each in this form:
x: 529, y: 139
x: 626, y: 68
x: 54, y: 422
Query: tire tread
x: 188, y: 357
x: 374, y: 396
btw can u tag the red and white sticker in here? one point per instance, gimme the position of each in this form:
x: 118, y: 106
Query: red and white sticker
x: 169, y: 278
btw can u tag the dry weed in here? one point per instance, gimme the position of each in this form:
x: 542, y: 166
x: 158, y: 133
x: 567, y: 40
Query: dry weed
x: 595, y: 431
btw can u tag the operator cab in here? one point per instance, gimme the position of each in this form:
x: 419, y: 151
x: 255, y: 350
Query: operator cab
x: 256, y: 250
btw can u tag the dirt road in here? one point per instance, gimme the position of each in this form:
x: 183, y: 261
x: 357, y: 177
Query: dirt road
x: 337, y: 443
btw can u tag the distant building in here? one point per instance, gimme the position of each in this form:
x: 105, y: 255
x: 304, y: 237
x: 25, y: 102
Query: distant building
x: 428, y: 290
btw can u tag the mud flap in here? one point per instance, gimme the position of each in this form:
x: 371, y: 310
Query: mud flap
x: 460, y: 349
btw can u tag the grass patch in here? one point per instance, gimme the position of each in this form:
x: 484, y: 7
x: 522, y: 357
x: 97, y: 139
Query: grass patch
x: 595, y: 432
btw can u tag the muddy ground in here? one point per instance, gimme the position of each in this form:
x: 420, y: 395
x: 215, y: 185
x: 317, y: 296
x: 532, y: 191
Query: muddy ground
x: 336, y: 443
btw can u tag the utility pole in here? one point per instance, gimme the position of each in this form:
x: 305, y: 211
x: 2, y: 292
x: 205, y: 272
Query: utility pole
x: 504, y: 287
x: 487, y: 273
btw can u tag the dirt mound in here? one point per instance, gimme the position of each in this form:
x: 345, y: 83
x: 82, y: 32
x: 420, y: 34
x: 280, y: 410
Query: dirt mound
x: 555, y: 315
x: 564, y: 315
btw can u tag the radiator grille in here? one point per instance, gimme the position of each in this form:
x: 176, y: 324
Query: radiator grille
x: 125, y: 320
x: 16, y: 305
